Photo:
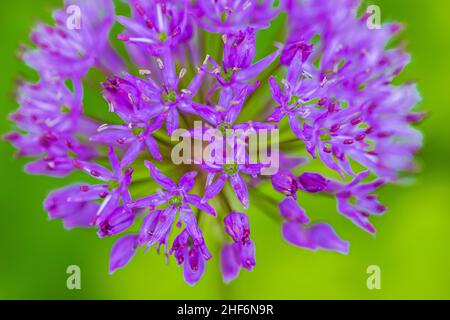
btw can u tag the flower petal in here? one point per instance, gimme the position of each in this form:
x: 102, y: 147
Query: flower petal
x: 240, y: 189
x: 291, y: 210
x: 122, y: 252
x: 319, y: 236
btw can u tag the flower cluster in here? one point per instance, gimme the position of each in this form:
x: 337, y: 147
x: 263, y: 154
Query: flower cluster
x: 327, y: 87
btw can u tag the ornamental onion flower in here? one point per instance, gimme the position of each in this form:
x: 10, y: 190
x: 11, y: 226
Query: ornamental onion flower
x: 325, y: 87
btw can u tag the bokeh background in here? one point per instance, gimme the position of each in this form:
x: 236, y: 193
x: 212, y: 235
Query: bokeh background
x: 411, y: 247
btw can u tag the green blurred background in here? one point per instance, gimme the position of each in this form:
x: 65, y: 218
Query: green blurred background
x: 411, y: 247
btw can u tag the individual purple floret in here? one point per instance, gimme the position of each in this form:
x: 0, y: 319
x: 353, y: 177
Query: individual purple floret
x: 240, y: 254
x: 138, y: 100
x: 75, y: 205
x: 191, y: 255
x: 173, y: 195
x: 156, y: 27
x: 356, y: 201
x: 110, y: 214
x: 237, y: 65
x: 229, y: 16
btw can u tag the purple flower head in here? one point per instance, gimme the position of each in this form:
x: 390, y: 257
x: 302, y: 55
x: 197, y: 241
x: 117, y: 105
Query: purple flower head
x: 331, y: 97
x: 240, y: 254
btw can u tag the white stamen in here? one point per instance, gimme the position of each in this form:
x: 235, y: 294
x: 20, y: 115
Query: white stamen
x: 144, y: 72
x: 307, y: 74
x: 111, y: 107
x: 206, y: 59
x: 160, y: 63
x: 182, y: 73
x: 142, y: 40
x: 130, y: 97
x: 103, y: 127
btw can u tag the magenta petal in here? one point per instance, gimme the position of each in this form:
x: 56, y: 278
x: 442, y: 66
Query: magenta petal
x: 198, y: 202
x: 240, y: 189
x: 153, y: 148
x: 108, y: 205
x: 291, y: 210
x: 275, y: 89
x: 187, y: 181
x: 237, y: 226
x: 82, y: 217
x: 132, y: 153
x: 54, y: 168
x: 114, y: 161
x: 94, y: 170
x: 194, y: 266
x: 172, y: 121
x: 359, y: 218
x: 313, y: 182
x: 319, y: 236
x: 153, y: 200
x: 248, y: 253
x: 118, y: 221
x: 122, y: 252
x: 257, y: 68
x: 164, y: 224
x: 230, y: 263
x: 214, y: 189
x: 159, y: 177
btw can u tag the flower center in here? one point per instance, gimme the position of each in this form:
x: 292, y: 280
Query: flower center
x: 113, y: 185
x: 227, y: 75
x: 169, y: 96
x: 176, y: 200
x: 138, y: 130
x: 224, y: 127
x: 162, y: 37
x: 231, y: 168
